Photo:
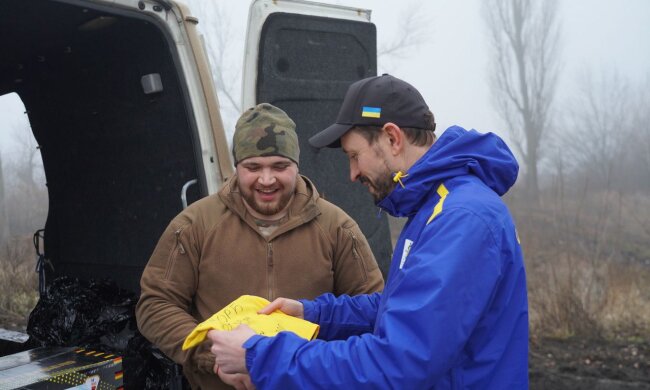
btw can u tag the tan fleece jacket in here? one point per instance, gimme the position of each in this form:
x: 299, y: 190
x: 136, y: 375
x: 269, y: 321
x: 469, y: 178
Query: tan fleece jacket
x: 213, y: 252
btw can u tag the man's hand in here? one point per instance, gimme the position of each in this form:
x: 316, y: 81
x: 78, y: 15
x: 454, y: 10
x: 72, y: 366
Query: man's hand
x: 285, y: 305
x: 238, y: 381
x: 227, y: 347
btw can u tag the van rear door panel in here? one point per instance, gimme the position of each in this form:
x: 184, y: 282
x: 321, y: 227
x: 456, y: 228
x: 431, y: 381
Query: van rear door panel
x: 305, y: 64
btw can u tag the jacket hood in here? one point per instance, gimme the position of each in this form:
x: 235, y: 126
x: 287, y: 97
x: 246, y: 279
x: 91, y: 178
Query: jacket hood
x: 457, y: 152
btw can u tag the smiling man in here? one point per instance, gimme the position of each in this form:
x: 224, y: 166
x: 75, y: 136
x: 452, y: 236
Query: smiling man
x: 454, y: 313
x: 266, y: 233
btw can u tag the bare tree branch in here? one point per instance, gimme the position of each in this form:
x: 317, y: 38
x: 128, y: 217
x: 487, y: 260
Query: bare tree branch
x: 641, y: 130
x: 524, y: 36
x: 26, y: 195
x: 4, y: 226
x: 601, y: 123
x: 413, y: 33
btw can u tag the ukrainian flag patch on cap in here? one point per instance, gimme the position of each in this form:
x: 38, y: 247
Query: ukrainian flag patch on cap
x: 371, y: 112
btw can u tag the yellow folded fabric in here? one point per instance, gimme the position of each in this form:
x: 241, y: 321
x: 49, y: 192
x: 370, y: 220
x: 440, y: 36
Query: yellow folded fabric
x: 243, y: 310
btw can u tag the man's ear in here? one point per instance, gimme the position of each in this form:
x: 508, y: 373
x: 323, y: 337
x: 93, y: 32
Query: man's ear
x: 395, y: 137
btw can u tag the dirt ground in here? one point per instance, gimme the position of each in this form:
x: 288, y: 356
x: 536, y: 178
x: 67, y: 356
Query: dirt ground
x: 589, y: 364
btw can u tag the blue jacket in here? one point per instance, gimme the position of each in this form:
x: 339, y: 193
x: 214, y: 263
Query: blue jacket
x: 454, y: 311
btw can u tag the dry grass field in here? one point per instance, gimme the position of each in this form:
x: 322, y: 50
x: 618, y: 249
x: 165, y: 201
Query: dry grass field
x: 588, y: 266
x: 18, y: 282
x: 588, y: 272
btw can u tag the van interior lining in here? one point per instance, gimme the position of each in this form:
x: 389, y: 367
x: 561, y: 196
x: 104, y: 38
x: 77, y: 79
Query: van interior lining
x: 115, y: 158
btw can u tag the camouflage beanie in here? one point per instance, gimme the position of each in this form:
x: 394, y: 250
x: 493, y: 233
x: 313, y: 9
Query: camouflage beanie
x: 265, y: 130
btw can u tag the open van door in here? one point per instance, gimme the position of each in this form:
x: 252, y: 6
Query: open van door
x: 120, y: 100
x: 302, y: 57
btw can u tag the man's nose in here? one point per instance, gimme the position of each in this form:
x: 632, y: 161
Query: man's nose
x: 266, y: 177
x: 354, y: 172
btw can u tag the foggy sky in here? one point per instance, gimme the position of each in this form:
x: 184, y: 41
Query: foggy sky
x: 450, y: 68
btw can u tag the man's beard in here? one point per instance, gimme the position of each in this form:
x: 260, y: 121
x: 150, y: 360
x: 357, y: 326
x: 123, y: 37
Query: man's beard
x: 383, y: 186
x: 266, y: 208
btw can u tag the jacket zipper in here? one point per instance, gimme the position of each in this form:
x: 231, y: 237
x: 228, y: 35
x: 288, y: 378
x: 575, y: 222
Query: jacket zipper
x: 354, y: 247
x: 357, y: 257
x: 269, y: 270
x: 178, y: 248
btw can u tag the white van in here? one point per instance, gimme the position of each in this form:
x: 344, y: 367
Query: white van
x: 121, y: 102
x: 120, y: 99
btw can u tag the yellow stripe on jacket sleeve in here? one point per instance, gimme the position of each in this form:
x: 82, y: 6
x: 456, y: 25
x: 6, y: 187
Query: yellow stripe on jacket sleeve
x: 443, y: 192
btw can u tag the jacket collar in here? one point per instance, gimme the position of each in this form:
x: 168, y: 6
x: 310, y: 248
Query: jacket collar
x: 406, y: 199
x: 457, y: 152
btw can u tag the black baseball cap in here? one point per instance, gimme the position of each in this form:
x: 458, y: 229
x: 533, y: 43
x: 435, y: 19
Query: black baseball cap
x: 375, y: 101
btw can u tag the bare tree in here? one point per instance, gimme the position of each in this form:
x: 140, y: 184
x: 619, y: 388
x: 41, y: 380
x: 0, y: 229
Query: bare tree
x: 606, y: 124
x: 414, y: 31
x: 524, y: 35
x: 633, y: 159
x: 4, y: 226
x: 600, y: 122
x: 608, y: 132
x: 26, y: 195
x: 641, y: 133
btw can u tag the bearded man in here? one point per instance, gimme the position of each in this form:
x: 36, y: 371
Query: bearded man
x: 266, y: 233
x: 454, y: 313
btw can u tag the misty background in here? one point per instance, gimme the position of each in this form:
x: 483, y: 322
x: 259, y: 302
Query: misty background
x: 578, y: 119
x: 442, y: 49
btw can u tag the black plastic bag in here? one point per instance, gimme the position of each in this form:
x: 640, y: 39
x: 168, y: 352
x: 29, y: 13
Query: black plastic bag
x: 79, y: 313
x: 99, y: 315
x: 149, y: 368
